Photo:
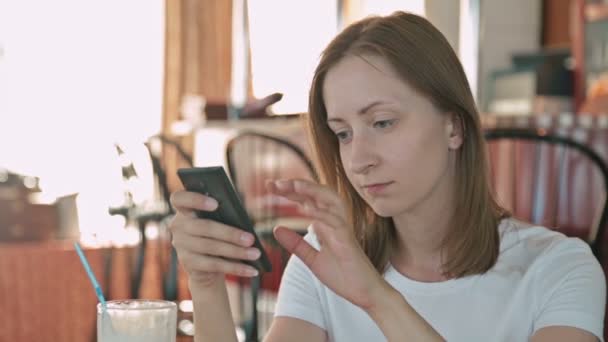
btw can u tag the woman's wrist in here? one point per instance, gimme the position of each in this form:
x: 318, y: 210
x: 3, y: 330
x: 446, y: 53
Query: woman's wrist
x: 396, y: 317
x: 383, y: 300
x: 212, y: 312
x: 200, y: 287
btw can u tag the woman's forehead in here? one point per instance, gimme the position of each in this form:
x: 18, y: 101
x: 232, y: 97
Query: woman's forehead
x: 357, y: 82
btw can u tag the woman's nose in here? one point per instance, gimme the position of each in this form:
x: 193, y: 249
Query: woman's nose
x: 363, y: 156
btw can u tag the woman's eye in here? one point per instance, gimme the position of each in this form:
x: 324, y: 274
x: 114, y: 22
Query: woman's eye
x: 342, y: 136
x: 384, y: 123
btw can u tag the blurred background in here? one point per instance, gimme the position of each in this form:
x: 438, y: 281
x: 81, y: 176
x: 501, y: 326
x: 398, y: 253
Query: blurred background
x: 101, y: 103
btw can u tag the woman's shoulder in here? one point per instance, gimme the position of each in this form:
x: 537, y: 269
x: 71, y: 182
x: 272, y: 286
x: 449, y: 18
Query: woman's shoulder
x: 529, y: 244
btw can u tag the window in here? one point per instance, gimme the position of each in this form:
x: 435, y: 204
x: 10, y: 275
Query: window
x: 75, y: 77
x: 385, y: 7
x: 287, y: 38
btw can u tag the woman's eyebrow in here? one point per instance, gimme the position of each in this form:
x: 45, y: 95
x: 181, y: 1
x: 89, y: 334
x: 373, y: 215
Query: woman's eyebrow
x: 362, y: 111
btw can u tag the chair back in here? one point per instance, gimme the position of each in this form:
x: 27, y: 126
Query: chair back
x: 252, y: 158
x: 551, y: 179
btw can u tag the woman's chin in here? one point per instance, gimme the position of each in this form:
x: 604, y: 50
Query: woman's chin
x: 383, y: 210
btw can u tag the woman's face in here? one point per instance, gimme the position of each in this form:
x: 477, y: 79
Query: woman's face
x: 394, y: 144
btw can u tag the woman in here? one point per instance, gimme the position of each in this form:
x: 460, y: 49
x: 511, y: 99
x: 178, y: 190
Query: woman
x: 407, y: 242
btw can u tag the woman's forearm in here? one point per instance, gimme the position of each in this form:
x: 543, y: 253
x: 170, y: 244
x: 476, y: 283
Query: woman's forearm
x: 212, y: 316
x: 398, y: 320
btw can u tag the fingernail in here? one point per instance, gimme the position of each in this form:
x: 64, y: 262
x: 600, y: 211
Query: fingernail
x: 252, y: 272
x: 247, y: 238
x: 253, y: 253
x: 307, y: 208
x: 282, y: 184
x: 211, y: 203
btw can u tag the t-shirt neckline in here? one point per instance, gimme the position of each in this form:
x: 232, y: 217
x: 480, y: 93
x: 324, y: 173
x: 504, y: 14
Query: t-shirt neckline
x: 402, y: 282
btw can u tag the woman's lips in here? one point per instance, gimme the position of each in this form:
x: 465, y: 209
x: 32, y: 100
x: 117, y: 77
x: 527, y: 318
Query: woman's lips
x: 376, y: 189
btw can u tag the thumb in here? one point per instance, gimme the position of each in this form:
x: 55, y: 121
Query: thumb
x: 295, y: 244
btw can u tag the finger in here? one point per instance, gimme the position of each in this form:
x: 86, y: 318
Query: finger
x: 321, y: 198
x: 205, y: 263
x: 329, y: 217
x: 286, y: 189
x: 213, y: 230
x: 324, y: 197
x: 187, y: 202
x: 323, y: 232
x: 295, y: 244
x: 212, y: 247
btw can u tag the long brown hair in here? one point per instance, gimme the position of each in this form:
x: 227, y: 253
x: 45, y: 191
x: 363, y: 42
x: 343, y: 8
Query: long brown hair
x: 425, y: 60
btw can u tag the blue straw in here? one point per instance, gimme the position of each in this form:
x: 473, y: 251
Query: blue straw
x: 87, y: 268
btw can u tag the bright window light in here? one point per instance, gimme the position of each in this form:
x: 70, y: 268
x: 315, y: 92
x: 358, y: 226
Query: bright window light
x: 385, y: 7
x: 286, y: 39
x: 75, y: 77
x: 356, y: 10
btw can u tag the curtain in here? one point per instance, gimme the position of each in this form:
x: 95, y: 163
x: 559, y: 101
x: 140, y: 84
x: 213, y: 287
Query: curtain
x: 198, y: 62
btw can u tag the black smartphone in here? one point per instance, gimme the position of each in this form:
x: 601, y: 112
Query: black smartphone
x: 214, y: 182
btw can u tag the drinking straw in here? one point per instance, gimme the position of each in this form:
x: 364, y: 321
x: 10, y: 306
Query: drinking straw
x: 87, y: 268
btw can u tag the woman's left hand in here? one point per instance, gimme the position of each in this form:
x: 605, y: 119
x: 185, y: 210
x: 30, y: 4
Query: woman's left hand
x: 340, y: 263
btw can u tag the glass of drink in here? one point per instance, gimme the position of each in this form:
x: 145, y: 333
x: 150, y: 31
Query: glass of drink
x: 137, y: 320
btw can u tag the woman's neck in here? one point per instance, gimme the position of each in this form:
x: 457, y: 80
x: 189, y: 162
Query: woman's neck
x: 418, y: 251
x: 420, y: 234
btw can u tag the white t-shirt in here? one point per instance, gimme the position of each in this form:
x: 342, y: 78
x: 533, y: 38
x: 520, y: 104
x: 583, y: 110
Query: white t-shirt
x: 542, y: 278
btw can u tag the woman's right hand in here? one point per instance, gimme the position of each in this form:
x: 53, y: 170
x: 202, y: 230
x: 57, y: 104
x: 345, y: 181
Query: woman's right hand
x: 207, y: 249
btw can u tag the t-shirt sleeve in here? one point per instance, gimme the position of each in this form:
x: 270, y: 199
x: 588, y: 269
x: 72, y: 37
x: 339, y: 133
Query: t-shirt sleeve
x: 570, y: 288
x: 299, y: 293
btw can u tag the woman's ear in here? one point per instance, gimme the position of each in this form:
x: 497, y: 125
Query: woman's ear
x: 454, y: 131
